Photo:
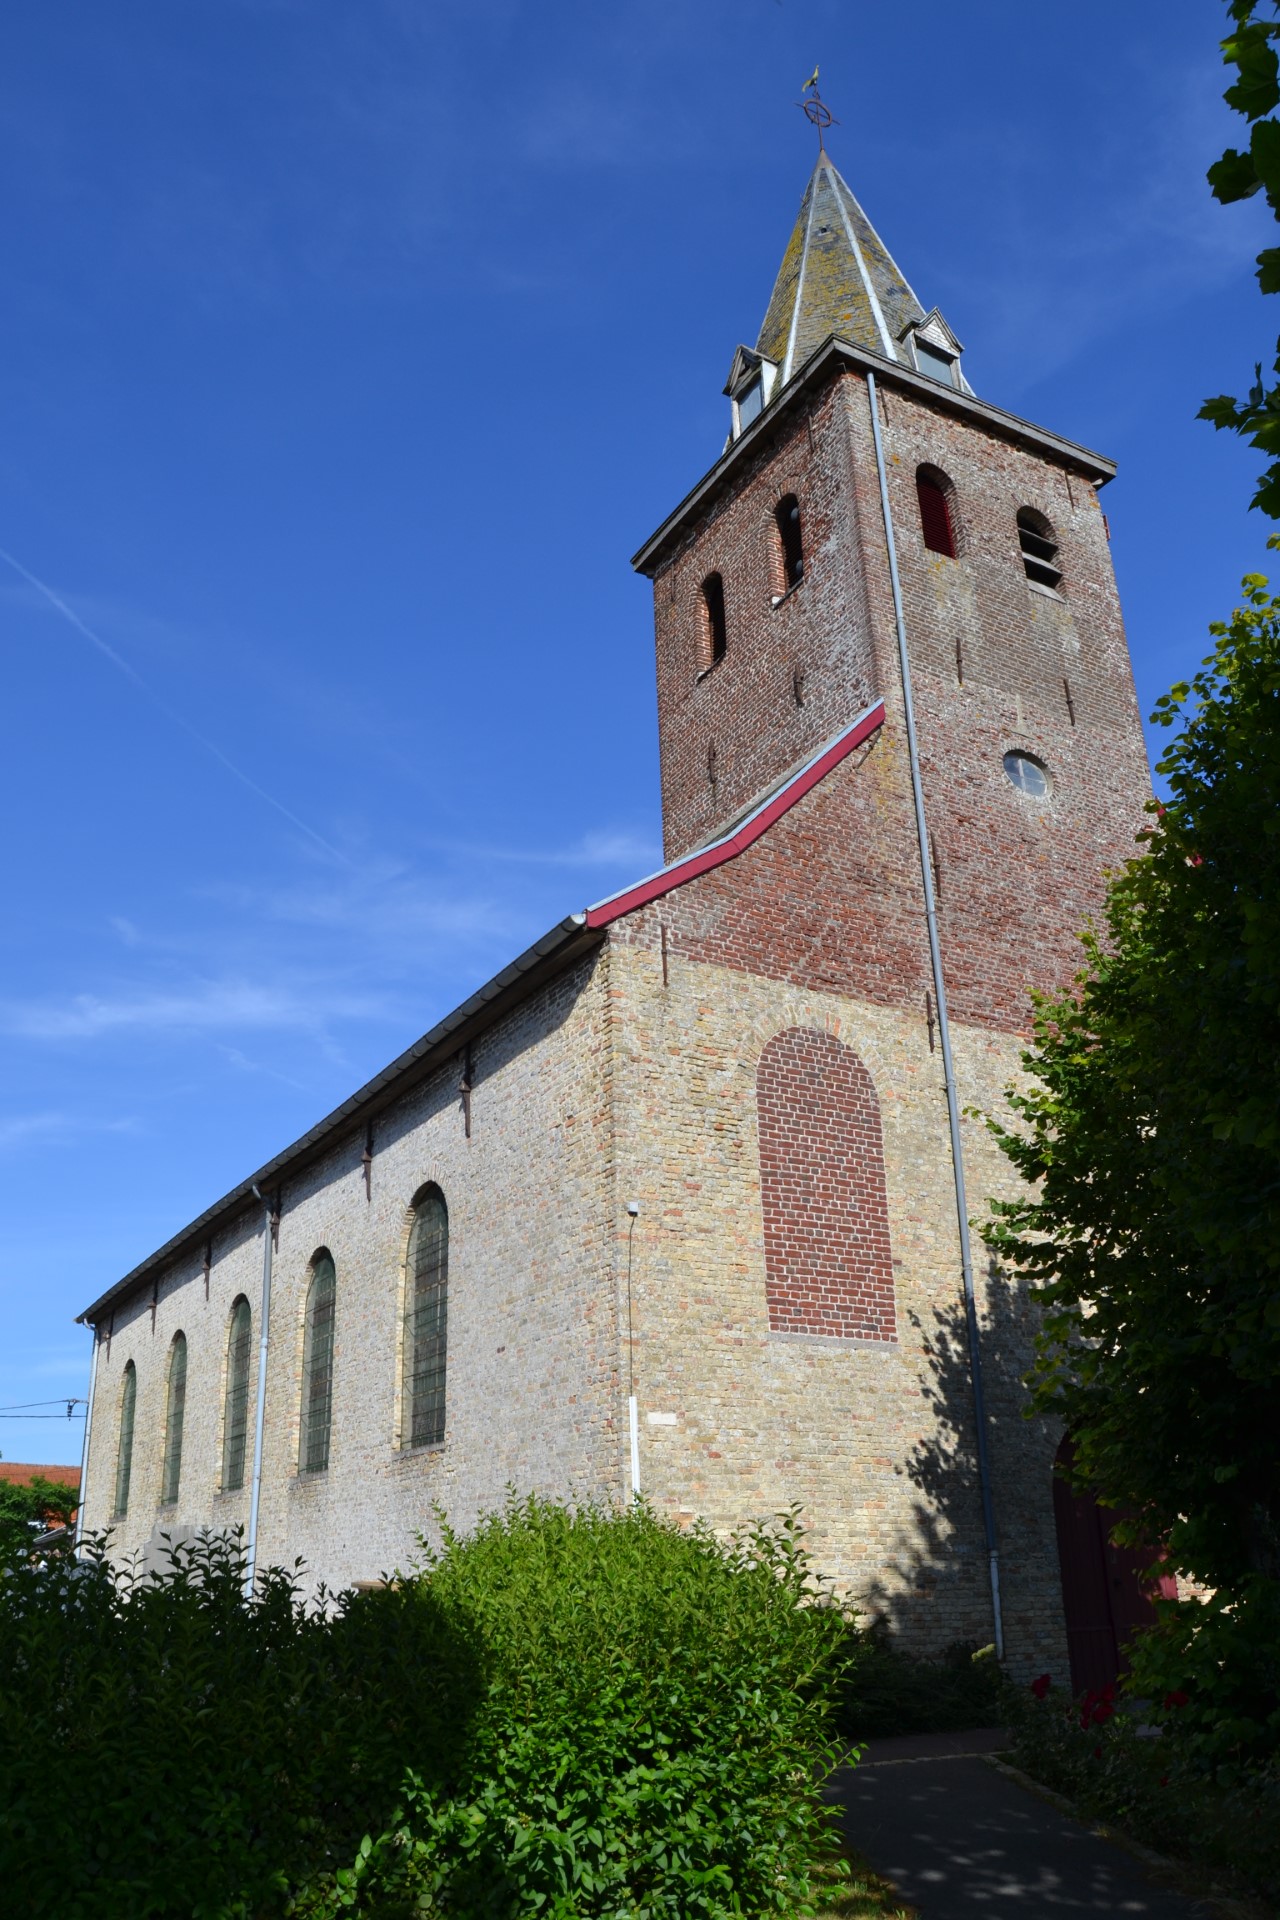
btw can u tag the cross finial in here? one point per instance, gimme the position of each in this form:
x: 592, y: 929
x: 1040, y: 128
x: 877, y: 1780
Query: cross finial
x: 816, y: 110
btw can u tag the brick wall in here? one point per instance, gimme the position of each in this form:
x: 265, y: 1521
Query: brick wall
x: 532, y: 1388
x: 828, y: 1264
x: 997, y: 667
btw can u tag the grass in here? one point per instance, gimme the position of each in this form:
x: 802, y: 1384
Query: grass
x: 864, y: 1895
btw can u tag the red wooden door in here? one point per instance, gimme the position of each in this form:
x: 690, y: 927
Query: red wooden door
x: 1104, y: 1597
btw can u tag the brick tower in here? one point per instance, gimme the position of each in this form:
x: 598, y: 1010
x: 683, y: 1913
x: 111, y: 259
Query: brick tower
x: 873, y: 525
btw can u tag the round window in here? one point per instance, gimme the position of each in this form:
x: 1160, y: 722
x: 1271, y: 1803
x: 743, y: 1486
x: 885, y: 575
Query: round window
x: 1027, y: 775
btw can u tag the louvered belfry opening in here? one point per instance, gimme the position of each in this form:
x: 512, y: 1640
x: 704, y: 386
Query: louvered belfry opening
x: 175, y: 1410
x: 715, y: 631
x: 235, y: 1424
x: 1039, y: 548
x: 317, y: 1366
x: 790, y: 540
x: 124, y: 1447
x: 426, y: 1320
x: 935, y: 512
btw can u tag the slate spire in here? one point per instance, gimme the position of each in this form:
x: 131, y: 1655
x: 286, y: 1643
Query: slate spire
x: 837, y: 276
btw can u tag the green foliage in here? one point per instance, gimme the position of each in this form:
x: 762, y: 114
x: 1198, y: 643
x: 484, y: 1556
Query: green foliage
x: 166, y: 1748
x: 569, y: 1715
x: 1251, y: 49
x: 1151, y: 1148
x: 28, y: 1508
x: 889, y: 1691
x: 1210, y: 1672
x: 1155, y: 1788
x: 653, y: 1735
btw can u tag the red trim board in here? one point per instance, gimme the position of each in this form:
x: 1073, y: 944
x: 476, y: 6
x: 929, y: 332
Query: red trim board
x: 756, y: 824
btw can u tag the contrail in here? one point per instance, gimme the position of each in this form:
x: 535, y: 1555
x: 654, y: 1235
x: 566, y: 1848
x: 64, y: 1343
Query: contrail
x: 170, y: 713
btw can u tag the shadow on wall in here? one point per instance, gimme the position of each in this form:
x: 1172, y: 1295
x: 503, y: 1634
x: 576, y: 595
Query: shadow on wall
x: 935, y: 1591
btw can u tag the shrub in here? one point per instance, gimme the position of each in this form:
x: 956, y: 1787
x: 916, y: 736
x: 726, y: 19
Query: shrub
x: 565, y: 1714
x: 653, y: 1738
x: 168, y: 1748
x: 1135, y: 1763
x: 889, y: 1691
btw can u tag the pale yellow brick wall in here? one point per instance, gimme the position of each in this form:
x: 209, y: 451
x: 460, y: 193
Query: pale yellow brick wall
x: 532, y: 1333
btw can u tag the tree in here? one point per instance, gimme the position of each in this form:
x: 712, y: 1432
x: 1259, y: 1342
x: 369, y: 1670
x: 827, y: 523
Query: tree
x: 28, y: 1508
x: 1150, y: 1142
x: 1251, y: 50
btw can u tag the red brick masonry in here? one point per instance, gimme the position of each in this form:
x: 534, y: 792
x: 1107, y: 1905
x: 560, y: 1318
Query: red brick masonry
x: 826, y: 1218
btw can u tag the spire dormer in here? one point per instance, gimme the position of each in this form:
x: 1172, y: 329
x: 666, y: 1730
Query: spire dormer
x: 837, y: 277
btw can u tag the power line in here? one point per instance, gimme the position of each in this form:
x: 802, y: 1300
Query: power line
x: 60, y: 1400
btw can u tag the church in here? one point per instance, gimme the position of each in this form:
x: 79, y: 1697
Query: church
x: 676, y: 1205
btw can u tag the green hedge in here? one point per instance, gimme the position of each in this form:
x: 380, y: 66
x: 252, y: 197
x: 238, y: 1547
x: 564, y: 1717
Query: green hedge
x: 565, y: 1714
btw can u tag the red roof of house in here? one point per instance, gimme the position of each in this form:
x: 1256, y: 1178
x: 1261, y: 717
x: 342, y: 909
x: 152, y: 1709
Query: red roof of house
x: 21, y: 1472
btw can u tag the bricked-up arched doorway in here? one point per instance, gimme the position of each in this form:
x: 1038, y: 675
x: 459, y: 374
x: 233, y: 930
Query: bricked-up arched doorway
x: 1104, y: 1597
x: 828, y: 1267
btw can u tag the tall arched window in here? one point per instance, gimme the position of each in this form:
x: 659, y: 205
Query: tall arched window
x: 124, y: 1446
x: 317, y: 1366
x: 715, y: 633
x: 175, y: 1408
x: 933, y: 490
x: 1039, y: 549
x: 426, y: 1320
x: 786, y: 517
x: 235, y: 1418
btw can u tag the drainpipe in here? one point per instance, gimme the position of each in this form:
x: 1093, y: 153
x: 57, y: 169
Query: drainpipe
x: 944, y: 1032
x: 633, y: 1409
x: 84, y: 1451
x: 264, y: 1334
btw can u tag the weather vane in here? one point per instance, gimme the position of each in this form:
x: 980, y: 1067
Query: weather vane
x: 816, y: 110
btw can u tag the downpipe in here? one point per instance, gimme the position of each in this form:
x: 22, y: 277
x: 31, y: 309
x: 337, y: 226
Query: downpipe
x: 264, y: 1335
x: 944, y: 1033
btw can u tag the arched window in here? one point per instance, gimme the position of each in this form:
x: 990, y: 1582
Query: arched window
x: 124, y: 1446
x: 932, y: 491
x: 426, y: 1320
x: 235, y: 1418
x: 175, y: 1408
x: 317, y: 1366
x: 715, y: 636
x: 786, y: 517
x: 1039, y: 548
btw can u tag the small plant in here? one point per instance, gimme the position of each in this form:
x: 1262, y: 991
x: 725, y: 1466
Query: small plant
x: 1136, y: 1763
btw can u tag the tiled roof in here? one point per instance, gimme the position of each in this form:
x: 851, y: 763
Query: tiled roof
x: 21, y: 1472
x: 837, y: 276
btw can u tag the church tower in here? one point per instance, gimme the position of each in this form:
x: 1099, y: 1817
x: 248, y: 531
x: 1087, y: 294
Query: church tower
x: 775, y: 618
x: 878, y: 539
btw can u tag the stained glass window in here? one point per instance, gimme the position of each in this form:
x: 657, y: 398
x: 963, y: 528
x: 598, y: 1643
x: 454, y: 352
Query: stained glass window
x: 175, y: 1408
x: 235, y: 1423
x: 124, y: 1448
x: 317, y: 1367
x: 426, y: 1320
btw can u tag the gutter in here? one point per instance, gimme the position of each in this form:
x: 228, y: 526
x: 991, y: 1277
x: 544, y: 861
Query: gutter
x: 556, y: 950
x: 837, y: 356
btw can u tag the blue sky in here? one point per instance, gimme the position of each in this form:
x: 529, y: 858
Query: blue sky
x: 346, y: 353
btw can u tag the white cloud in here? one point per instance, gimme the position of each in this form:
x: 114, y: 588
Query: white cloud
x: 19, y: 1129
x: 210, y: 1006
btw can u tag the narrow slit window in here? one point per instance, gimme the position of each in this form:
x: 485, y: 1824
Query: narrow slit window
x: 715, y: 634
x: 426, y: 1321
x: 935, y: 513
x: 235, y: 1424
x: 790, y: 541
x: 124, y: 1446
x: 317, y: 1366
x: 175, y: 1410
x: 1039, y: 549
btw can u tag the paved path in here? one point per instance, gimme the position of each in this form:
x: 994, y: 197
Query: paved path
x: 963, y: 1842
